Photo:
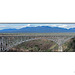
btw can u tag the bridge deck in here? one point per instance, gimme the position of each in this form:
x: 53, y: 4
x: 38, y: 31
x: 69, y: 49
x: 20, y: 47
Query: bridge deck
x: 37, y: 34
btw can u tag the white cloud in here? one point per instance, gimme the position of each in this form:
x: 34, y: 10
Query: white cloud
x: 2, y: 26
x: 28, y: 25
x: 16, y: 26
x: 67, y: 26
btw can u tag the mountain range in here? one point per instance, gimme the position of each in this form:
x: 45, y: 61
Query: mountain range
x: 38, y: 29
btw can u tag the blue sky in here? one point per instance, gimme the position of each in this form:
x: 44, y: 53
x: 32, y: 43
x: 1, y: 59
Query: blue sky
x: 18, y: 26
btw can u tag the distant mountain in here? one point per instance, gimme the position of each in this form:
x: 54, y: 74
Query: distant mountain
x: 7, y: 30
x: 39, y: 29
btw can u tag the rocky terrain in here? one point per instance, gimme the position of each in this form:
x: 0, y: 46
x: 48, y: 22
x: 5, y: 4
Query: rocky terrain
x: 69, y: 46
x: 36, y: 46
x: 43, y: 46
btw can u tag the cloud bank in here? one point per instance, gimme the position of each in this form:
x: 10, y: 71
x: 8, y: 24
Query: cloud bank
x: 18, y: 26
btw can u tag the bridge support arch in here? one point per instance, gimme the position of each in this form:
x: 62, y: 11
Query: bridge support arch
x: 7, y: 42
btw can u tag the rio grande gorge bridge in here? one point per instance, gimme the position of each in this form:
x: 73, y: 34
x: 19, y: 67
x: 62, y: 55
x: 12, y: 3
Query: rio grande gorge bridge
x: 7, y: 41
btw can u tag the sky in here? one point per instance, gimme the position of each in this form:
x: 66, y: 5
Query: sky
x: 19, y: 26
